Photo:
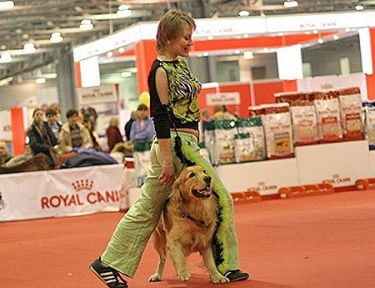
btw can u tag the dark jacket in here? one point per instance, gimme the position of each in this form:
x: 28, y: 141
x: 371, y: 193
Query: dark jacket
x: 41, y: 141
x: 127, y: 128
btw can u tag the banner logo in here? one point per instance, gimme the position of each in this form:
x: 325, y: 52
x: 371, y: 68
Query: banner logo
x: 83, y: 195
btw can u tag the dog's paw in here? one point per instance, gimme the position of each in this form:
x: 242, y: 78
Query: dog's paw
x: 184, y: 275
x: 219, y: 279
x: 155, y: 277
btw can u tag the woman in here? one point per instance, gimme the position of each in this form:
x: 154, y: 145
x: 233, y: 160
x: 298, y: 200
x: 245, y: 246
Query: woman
x: 142, y: 129
x: 174, y: 103
x: 41, y: 137
x: 113, y: 134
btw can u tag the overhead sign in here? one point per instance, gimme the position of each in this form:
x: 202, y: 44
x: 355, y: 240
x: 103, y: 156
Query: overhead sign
x: 232, y: 27
x: 224, y: 98
x: 94, y: 95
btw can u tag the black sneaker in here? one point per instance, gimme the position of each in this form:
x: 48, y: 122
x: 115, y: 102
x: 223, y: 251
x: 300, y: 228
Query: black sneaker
x: 236, y: 275
x: 110, y: 277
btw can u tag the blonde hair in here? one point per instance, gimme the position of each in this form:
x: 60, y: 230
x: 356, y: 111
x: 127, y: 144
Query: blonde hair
x: 171, y: 25
x: 3, y: 145
x: 114, y: 122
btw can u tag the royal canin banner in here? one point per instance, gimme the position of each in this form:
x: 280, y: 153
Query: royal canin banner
x: 57, y: 193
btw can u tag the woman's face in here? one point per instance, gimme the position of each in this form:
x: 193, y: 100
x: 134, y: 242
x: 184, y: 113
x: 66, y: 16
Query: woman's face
x: 39, y: 117
x: 142, y: 114
x: 180, y: 46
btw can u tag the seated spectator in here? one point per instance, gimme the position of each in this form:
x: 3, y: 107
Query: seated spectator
x: 5, y: 155
x: 113, y: 133
x: 73, y: 134
x: 53, y: 123
x: 40, y: 136
x: 18, y: 159
x: 143, y: 127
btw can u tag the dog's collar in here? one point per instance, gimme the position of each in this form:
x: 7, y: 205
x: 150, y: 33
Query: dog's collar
x: 199, y: 223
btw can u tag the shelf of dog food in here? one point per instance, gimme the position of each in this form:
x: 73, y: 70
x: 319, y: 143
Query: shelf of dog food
x: 272, y: 131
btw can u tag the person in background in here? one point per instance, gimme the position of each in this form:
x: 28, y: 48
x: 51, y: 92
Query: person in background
x: 113, y: 133
x: 93, y: 135
x: 73, y: 134
x: 143, y: 127
x: 5, y: 155
x: 41, y: 137
x: 128, y: 125
x: 221, y: 113
x: 53, y: 123
x: 56, y: 107
x: 175, y: 113
x: 18, y: 159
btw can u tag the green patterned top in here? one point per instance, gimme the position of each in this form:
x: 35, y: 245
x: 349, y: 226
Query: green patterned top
x: 184, y: 88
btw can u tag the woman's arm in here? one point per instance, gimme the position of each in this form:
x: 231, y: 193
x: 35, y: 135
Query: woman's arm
x: 167, y: 174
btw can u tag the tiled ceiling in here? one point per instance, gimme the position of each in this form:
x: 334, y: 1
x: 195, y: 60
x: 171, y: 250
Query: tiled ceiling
x: 35, y: 20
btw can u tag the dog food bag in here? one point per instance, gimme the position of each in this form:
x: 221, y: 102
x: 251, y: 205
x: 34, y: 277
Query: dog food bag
x: 142, y: 161
x: 244, y: 149
x: 369, y: 112
x: 256, y: 111
x: 289, y: 97
x: 254, y: 127
x: 351, y: 111
x: 305, y: 123
x: 224, y: 141
x: 209, y: 138
x: 278, y: 130
x: 328, y: 114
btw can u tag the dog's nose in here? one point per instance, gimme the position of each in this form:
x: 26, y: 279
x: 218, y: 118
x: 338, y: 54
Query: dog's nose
x: 207, y: 179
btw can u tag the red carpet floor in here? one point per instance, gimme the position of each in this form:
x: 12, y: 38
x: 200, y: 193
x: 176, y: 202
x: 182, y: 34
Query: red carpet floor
x: 323, y: 241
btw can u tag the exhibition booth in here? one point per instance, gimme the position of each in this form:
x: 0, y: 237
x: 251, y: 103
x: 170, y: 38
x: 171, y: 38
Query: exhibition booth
x: 102, y: 188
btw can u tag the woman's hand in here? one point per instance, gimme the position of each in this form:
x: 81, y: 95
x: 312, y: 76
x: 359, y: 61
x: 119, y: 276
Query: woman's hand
x: 167, y: 176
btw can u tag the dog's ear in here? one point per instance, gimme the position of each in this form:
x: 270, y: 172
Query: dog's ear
x: 177, y: 194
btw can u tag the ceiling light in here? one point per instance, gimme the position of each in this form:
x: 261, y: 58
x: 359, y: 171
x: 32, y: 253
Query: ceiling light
x: 56, y: 37
x: 109, y: 54
x: 359, y: 7
x: 40, y: 80
x: 335, y: 37
x: 123, y: 10
x: 6, y: 57
x: 123, y: 7
x: 86, y: 24
x: 210, y: 37
x: 237, y: 51
x: 320, y: 41
x: 6, y: 5
x: 125, y: 13
x: 290, y: 3
x: 205, y: 54
x: 244, y: 13
x: 126, y: 74
x: 121, y: 50
x: 29, y: 47
x: 248, y: 55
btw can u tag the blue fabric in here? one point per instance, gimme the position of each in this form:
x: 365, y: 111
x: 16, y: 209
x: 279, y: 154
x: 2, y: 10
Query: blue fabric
x: 101, y: 155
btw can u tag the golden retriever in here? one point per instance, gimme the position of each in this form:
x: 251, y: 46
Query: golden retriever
x: 187, y: 225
